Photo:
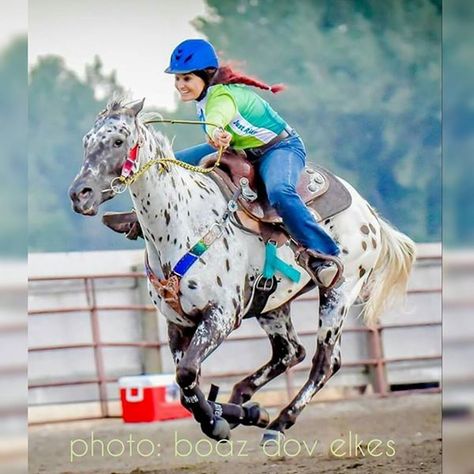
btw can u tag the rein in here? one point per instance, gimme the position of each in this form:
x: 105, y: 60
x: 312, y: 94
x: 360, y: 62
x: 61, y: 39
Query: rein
x: 121, y: 183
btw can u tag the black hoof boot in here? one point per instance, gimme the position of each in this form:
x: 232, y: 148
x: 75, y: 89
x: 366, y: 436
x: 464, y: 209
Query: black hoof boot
x: 255, y: 415
x: 219, y: 429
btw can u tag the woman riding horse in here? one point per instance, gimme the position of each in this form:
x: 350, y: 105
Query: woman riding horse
x: 244, y: 121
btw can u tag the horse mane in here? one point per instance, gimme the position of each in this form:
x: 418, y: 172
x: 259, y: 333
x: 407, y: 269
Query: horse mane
x: 118, y: 103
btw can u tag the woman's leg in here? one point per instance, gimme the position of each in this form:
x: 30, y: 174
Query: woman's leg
x: 194, y: 154
x: 280, y: 169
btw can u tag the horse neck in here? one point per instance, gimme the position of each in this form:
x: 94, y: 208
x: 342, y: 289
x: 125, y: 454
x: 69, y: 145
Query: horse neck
x: 172, y: 206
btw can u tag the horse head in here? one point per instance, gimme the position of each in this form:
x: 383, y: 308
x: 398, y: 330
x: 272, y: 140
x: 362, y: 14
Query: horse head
x: 106, y: 148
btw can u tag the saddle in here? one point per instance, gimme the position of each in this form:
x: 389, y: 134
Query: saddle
x: 319, y: 189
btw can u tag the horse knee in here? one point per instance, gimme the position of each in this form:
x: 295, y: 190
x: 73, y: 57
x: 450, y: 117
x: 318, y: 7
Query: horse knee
x: 185, y: 376
x: 279, y: 194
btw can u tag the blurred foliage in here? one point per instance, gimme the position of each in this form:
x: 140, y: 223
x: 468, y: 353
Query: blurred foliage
x: 363, y: 91
x: 458, y: 123
x: 62, y: 108
x: 13, y: 135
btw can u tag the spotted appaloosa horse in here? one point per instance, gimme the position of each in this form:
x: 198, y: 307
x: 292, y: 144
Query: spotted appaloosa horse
x: 175, y: 209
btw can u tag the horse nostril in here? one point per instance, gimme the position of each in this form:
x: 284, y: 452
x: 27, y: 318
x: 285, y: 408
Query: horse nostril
x: 85, y: 192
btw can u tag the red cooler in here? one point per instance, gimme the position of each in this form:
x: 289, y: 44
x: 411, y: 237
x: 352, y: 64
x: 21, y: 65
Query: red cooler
x: 147, y: 398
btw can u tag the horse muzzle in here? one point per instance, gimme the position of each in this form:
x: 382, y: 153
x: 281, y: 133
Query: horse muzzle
x: 83, y: 200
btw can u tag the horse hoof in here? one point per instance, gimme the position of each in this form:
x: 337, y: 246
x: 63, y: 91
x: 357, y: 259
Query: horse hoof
x: 272, y: 436
x: 220, y: 429
x: 256, y: 415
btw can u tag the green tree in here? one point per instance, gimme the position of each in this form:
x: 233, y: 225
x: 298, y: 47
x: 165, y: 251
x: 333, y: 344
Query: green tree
x: 62, y: 108
x: 13, y: 134
x: 364, y: 90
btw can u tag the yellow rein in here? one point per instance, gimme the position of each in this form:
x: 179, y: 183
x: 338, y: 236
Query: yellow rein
x: 164, y: 161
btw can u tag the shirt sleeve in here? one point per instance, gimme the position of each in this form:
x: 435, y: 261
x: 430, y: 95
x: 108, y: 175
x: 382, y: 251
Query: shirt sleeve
x: 220, y: 110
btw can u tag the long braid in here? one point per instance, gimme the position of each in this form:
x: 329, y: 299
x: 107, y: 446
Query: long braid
x: 227, y: 75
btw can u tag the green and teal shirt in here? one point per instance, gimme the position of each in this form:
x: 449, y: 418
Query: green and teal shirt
x: 241, y: 112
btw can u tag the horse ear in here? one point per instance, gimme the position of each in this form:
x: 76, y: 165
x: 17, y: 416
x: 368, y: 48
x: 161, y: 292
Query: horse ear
x: 137, y: 106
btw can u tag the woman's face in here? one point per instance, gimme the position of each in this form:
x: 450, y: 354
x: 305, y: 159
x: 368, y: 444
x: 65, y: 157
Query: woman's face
x: 189, y: 86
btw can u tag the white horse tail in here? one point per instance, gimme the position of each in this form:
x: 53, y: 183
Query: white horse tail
x: 388, y: 282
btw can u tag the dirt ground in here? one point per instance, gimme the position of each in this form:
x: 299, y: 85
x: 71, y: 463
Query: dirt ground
x: 367, y: 436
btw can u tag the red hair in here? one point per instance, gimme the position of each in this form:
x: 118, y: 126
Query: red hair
x: 226, y: 74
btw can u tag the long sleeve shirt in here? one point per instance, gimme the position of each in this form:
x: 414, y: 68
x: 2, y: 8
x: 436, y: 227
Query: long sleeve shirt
x: 241, y: 112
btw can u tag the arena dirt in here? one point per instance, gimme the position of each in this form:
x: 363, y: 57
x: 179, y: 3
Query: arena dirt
x: 408, y: 429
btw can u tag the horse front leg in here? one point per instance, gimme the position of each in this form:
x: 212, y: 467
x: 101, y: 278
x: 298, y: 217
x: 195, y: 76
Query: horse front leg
x: 215, y: 326
x: 326, y: 361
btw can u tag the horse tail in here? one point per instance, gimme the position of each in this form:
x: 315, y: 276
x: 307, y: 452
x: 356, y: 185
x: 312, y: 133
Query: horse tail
x: 388, y: 280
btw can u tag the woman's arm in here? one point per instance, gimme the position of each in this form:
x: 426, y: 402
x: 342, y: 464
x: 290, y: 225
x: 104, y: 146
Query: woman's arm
x: 220, y: 109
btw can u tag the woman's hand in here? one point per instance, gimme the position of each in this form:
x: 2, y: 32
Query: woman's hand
x: 220, y: 138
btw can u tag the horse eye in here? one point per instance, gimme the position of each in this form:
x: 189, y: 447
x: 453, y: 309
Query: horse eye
x: 118, y: 143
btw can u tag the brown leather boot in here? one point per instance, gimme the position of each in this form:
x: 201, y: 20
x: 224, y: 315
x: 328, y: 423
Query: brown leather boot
x: 325, y: 270
x: 123, y: 223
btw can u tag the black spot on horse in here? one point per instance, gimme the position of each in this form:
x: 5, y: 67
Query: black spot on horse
x: 175, y: 207
x: 328, y: 337
x: 372, y: 228
x: 192, y: 285
x: 219, y: 281
x: 215, y: 212
x: 148, y: 203
x: 226, y: 244
x: 364, y: 229
x: 174, y: 241
x: 167, y: 217
x: 345, y: 251
x: 361, y: 271
x: 168, y: 237
x: 160, y: 239
x: 227, y: 264
x: 327, y: 221
x: 235, y: 303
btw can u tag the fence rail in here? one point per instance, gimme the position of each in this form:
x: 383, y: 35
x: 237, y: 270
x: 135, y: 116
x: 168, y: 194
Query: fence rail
x: 376, y: 359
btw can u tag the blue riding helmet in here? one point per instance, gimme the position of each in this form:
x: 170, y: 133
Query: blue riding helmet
x: 192, y: 55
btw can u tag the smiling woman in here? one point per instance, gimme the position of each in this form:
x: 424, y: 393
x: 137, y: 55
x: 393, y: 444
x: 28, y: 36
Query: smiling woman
x: 189, y: 86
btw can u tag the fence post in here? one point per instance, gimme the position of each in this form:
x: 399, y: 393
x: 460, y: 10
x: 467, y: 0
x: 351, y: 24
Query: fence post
x: 151, y: 357
x: 379, y: 379
x: 98, y: 356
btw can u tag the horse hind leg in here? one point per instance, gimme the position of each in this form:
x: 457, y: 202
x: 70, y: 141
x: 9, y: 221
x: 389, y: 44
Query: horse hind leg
x: 287, y: 351
x: 326, y: 361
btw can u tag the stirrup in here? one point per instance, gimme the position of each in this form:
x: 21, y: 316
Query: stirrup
x: 327, y: 273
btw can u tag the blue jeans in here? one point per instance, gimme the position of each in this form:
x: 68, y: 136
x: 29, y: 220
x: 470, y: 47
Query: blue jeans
x: 280, y: 168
